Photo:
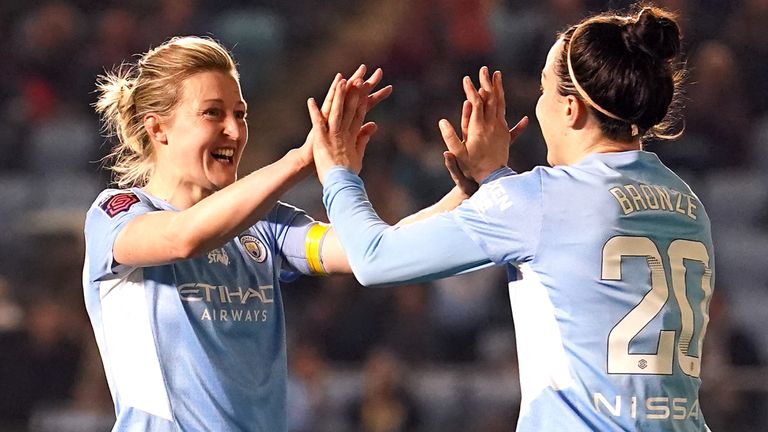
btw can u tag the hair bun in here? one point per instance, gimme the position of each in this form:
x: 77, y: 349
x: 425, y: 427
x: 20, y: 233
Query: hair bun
x: 125, y: 87
x: 655, y: 33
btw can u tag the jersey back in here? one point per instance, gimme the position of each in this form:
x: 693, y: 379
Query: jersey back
x: 617, y: 266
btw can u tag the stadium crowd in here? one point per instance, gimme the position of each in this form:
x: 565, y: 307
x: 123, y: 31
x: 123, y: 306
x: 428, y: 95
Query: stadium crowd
x: 425, y: 357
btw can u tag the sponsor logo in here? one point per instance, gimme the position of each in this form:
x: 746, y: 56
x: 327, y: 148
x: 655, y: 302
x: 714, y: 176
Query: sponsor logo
x: 224, y: 304
x: 652, y: 408
x: 194, y: 292
x: 119, y: 203
x: 235, y: 315
x: 218, y: 256
x: 254, y: 247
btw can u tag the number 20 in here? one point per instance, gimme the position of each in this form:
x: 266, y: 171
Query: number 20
x: 620, y: 361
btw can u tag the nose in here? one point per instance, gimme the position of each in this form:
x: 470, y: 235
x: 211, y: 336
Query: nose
x: 234, y: 128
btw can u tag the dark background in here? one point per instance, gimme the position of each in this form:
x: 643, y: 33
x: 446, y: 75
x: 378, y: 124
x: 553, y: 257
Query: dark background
x: 430, y: 357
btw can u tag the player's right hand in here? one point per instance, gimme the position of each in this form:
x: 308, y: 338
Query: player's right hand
x: 340, y: 137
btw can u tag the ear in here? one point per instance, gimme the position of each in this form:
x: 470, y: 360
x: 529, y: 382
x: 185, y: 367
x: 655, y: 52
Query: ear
x: 155, y: 128
x: 574, y: 111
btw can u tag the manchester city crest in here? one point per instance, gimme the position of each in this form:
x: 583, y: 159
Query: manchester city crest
x: 254, y: 247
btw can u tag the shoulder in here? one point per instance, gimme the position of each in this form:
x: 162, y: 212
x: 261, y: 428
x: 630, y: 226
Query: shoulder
x: 524, y: 183
x: 113, y: 202
x: 283, y: 214
x: 508, y: 193
x: 282, y: 208
x: 114, y: 207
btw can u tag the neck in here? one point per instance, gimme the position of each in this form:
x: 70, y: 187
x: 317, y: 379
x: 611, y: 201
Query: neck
x: 175, y: 191
x: 591, y: 140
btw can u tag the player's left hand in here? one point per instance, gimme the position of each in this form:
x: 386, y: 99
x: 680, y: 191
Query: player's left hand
x: 487, y: 135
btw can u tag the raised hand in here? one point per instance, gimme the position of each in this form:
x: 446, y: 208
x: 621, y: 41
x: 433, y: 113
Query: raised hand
x: 453, y: 163
x: 485, y: 146
x: 340, y: 137
x: 373, y: 99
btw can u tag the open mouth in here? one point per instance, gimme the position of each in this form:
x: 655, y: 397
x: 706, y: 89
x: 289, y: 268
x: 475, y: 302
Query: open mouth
x: 224, y: 155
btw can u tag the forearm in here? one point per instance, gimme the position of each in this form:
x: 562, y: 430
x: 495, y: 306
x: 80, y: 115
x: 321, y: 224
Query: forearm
x: 219, y: 217
x: 382, y: 254
x: 164, y: 236
x: 450, y: 201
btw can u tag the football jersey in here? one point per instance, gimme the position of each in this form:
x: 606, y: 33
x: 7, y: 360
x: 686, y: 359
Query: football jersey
x: 197, y: 344
x: 616, y: 263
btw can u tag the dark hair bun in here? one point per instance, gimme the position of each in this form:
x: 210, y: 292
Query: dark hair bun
x: 655, y: 33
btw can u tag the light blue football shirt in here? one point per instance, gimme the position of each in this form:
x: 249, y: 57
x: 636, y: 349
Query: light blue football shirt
x: 617, y: 267
x: 198, y: 344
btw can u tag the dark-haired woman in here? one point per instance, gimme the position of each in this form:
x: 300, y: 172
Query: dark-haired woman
x: 614, y: 249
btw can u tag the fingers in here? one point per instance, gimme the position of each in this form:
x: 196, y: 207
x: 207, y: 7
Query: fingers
x: 487, y: 92
x: 374, y: 79
x: 498, y: 90
x: 361, y: 110
x: 466, y: 113
x: 364, y: 137
x: 518, y: 129
x: 485, y: 79
x: 465, y: 184
x: 359, y: 73
x: 473, y: 96
x: 337, y: 107
x: 378, y: 96
x: 491, y: 93
x: 318, y: 120
x: 452, y: 165
x: 367, y: 85
x: 326, y: 109
x: 489, y: 107
x: 351, y: 104
x: 367, y: 130
x: 452, y: 141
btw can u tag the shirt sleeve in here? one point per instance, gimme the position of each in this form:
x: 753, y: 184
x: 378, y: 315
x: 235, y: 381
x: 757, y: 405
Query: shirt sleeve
x: 291, y: 227
x: 504, y: 217
x: 103, y: 222
x: 429, y: 249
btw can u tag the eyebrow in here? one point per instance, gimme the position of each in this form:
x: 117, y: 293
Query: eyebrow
x: 222, y: 101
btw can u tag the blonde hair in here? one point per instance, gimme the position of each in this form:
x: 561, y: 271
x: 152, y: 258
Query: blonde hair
x: 152, y: 85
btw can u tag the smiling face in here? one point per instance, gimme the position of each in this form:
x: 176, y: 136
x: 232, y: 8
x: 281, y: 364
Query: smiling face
x: 551, y: 108
x: 205, y: 134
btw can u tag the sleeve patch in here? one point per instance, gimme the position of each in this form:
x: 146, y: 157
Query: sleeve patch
x: 119, y: 203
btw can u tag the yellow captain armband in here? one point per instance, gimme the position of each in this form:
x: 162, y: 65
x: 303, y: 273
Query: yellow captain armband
x: 312, y: 243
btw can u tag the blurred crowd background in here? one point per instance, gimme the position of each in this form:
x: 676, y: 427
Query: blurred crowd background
x: 428, y: 357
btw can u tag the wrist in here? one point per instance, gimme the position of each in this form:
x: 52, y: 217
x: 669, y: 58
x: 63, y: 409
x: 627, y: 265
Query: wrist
x: 482, y: 173
x: 502, y: 171
x: 301, y: 162
x: 341, y: 158
x: 335, y: 172
x: 458, y: 193
x: 324, y: 169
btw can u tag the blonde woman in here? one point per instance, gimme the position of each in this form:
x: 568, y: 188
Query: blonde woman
x: 184, y: 261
